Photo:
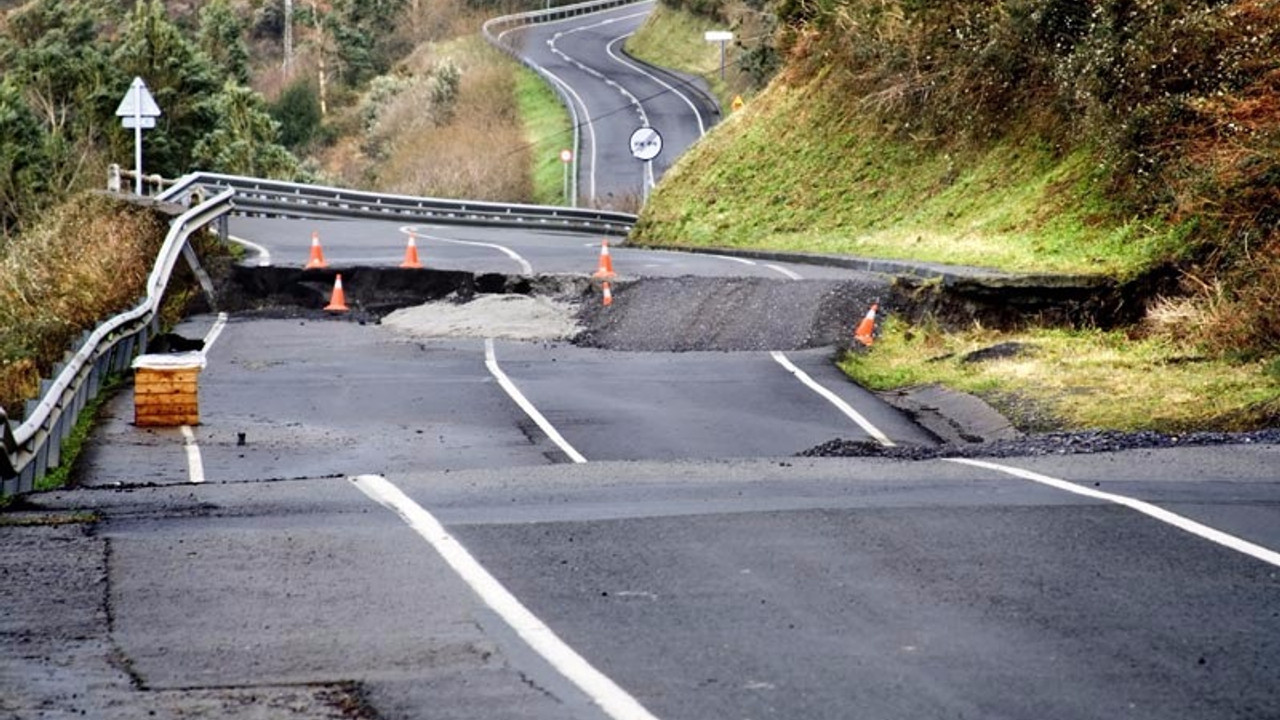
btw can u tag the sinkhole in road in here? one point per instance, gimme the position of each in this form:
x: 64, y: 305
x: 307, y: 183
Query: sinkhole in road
x: 646, y: 315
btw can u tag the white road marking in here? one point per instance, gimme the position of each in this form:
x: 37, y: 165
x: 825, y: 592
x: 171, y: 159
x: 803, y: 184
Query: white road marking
x: 1146, y: 508
x: 524, y: 264
x: 195, y: 466
x: 835, y: 400
x: 702, y: 128
x: 788, y: 273
x: 744, y: 261
x: 586, y: 122
x: 214, y: 332
x: 604, y: 692
x: 264, y: 255
x: 491, y: 362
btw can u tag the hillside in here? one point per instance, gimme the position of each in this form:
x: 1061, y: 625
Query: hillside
x: 1116, y: 138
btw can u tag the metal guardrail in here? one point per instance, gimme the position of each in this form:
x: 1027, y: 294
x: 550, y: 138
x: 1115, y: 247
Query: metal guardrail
x: 35, y: 446
x: 255, y: 196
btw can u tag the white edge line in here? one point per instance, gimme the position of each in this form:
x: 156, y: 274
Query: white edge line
x: 491, y: 362
x: 702, y: 128
x: 744, y: 261
x: 604, y: 692
x: 1146, y: 508
x: 834, y: 399
x: 793, y: 275
x: 264, y: 255
x: 524, y: 264
x: 589, y: 123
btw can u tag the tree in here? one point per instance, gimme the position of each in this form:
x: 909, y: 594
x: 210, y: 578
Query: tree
x: 221, y: 37
x: 21, y: 162
x: 54, y: 54
x: 181, y: 78
x: 243, y: 140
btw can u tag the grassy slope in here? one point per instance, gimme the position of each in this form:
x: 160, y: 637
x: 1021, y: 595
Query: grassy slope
x: 548, y: 130
x: 817, y: 178
x: 800, y: 169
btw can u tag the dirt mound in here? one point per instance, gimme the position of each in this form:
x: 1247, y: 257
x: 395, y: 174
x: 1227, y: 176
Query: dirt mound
x: 686, y: 314
x: 510, y: 317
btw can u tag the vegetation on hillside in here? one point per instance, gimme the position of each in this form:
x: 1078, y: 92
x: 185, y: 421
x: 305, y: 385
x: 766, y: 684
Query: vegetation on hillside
x: 89, y: 258
x: 1112, y: 136
x: 1115, y: 136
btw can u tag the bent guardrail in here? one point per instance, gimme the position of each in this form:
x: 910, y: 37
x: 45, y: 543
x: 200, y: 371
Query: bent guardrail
x: 35, y: 446
x: 255, y: 196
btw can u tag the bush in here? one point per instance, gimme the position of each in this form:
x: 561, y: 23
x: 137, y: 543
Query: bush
x: 87, y: 261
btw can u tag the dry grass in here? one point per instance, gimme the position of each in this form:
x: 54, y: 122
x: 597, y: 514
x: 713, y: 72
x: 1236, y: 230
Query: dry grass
x: 88, y: 260
x: 1073, y: 379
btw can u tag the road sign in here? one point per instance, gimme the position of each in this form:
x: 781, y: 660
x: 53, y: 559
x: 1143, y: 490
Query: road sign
x: 138, y: 110
x: 722, y: 37
x: 646, y: 143
x: 737, y: 103
x: 138, y: 102
x: 566, y: 156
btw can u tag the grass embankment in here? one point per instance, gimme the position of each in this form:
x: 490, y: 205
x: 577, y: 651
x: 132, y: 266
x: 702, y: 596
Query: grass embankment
x: 820, y: 162
x: 817, y: 179
x: 88, y: 260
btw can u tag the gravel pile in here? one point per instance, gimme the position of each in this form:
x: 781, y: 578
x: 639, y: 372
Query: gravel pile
x: 1059, y: 443
x: 729, y: 314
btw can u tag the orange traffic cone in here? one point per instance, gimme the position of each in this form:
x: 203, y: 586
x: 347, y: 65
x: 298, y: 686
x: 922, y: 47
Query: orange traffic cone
x: 606, y: 262
x: 338, y: 301
x: 608, y: 295
x: 411, y: 254
x: 317, y: 254
x: 866, y: 329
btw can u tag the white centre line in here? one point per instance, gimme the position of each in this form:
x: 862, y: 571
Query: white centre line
x: 491, y: 362
x: 834, y: 399
x: 604, y: 692
x: 195, y: 466
x: 1146, y: 508
x: 195, y: 463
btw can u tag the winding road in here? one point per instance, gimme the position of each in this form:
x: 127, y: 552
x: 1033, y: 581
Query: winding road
x: 367, y: 524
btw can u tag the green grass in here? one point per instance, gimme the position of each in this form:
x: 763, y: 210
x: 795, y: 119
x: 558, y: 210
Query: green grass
x: 674, y: 38
x: 797, y: 171
x: 59, y: 476
x: 1078, y: 378
x: 548, y: 130
x: 804, y: 168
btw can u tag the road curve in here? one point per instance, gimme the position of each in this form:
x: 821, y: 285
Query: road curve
x: 614, y: 95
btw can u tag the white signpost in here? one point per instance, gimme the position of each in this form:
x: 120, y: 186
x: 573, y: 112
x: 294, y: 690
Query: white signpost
x: 566, y: 157
x: 645, y: 143
x: 138, y: 110
x: 722, y: 37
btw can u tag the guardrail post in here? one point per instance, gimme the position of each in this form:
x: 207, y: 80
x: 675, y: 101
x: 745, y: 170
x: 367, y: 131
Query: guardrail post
x: 54, y: 443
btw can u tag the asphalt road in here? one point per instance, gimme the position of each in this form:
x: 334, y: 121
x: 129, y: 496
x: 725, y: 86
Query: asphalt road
x: 615, y: 95
x: 287, y: 243
x: 366, y: 525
